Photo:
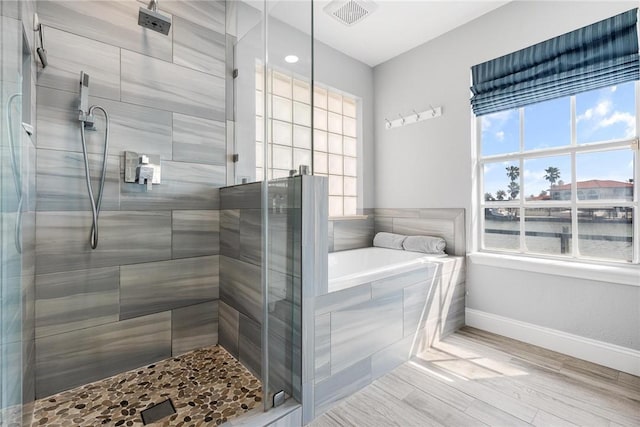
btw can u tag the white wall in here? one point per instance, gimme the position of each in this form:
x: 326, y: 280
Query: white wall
x: 430, y: 165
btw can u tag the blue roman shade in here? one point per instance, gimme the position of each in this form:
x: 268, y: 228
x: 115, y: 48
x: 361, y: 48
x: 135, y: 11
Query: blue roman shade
x: 599, y: 55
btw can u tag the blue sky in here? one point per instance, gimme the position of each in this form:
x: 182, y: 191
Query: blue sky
x: 601, y: 115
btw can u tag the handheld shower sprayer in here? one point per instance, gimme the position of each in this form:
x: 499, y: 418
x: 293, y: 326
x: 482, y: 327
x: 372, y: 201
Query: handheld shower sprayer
x: 83, y: 109
x: 85, y: 115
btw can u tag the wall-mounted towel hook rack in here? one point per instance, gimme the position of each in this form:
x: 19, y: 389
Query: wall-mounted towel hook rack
x: 416, y: 117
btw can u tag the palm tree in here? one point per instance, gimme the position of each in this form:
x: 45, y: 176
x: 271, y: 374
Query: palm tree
x: 513, y: 172
x: 514, y: 189
x: 501, y: 194
x: 552, y: 175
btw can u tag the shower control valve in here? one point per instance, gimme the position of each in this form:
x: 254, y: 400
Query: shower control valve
x: 142, y: 169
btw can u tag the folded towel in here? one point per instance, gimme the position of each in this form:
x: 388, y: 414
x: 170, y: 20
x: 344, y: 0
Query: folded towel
x: 426, y: 244
x: 389, y: 240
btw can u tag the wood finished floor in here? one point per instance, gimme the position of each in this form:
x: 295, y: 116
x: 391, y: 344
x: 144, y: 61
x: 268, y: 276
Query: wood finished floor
x: 478, y: 378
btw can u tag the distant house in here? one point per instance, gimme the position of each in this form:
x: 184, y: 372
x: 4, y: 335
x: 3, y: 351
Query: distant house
x: 595, y: 189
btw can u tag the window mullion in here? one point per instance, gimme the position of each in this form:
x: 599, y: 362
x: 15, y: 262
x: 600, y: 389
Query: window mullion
x: 574, y: 183
x: 523, y: 246
x: 636, y: 183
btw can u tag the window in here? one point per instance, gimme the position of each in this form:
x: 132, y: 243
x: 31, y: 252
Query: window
x: 335, y: 136
x: 557, y: 177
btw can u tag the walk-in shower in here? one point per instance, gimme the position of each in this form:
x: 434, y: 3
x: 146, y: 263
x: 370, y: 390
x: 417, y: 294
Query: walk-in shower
x: 85, y: 115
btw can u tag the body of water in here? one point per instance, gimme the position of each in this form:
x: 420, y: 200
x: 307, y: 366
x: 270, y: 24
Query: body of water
x: 598, y: 239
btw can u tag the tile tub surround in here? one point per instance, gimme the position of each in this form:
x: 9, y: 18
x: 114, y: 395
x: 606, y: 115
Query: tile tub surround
x: 219, y: 388
x: 445, y: 223
x: 365, y: 331
x: 158, y: 255
x: 351, y: 233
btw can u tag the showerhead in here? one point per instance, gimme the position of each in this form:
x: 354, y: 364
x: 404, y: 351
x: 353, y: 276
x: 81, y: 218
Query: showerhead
x: 150, y: 18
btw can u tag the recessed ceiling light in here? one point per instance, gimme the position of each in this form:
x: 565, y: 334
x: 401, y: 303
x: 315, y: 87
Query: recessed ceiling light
x: 291, y: 59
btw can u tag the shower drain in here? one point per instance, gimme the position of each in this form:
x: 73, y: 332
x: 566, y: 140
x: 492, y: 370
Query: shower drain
x: 157, y: 412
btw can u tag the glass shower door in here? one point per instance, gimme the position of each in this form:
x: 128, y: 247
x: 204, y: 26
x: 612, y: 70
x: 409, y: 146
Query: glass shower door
x: 286, y: 151
x: 10, y: 206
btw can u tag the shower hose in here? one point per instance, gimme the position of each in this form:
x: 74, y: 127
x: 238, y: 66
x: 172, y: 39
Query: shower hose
x: 95, y: 204
x: 15, y: 169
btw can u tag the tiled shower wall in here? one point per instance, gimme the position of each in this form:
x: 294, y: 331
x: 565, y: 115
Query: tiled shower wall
x: 150, y: 289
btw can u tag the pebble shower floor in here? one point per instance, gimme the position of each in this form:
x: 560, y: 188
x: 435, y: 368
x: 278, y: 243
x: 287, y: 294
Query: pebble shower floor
x: 207, y: 386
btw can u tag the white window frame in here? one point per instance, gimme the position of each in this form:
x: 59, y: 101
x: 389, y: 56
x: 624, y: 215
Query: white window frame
x: 572, y: 150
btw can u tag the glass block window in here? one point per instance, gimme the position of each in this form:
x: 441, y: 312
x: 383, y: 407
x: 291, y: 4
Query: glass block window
x: 335, y: 135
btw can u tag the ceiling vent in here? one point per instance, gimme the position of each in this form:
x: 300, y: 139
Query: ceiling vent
x: 350, y: 12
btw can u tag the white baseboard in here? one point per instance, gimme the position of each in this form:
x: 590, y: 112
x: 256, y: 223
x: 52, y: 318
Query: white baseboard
x: 610, y: 355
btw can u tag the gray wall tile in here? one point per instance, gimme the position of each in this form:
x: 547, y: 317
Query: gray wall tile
x: 338, y: 300
x: 184, y: 186
x: 361, y: 330
x: 62, y: 186
x: 132, y: 127
x: 342, y: 385
x: 194, y: 327
x: 399, y: 281
x: 322, y: 346
x: 391, y: 357
x: 67, y: 54
x: 250, y: 344
x: 62, y: 241
x: 228, y: 328
x: 229, y: 232
x: 78, y: 299
x: 251, y: 236
x: 244, y: 196
x: 240, y: 286
x: 426, y: 226
x: 114, y: 23
x: 195, y: 233
x: 446, y: 223
x: 383, y: 224
x: 417, y: 301
x: 79, y: 357
x: 171, y: 87
x: 198, y: 47
x: 352, y: 234
x: 165, y: 285
x: 199, y: 140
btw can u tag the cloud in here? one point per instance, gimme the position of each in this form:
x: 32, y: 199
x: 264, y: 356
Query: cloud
x: 625, y: 118
x: 614, y: 88
x: 500, y: 136
x: 496, y: 120
x: 600, y: 110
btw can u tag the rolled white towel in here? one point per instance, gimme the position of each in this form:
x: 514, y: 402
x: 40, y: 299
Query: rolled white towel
x: 389, y: 240
x: 426, y: 244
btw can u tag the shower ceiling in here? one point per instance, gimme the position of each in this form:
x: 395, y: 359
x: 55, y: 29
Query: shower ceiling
x: 395, y: 27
